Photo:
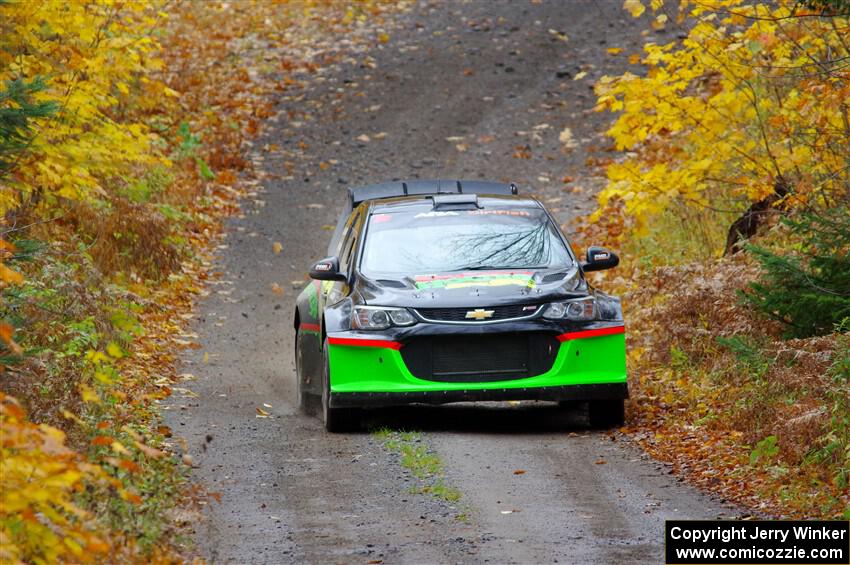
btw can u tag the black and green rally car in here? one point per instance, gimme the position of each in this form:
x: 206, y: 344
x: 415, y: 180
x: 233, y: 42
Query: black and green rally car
x: 439, y: 291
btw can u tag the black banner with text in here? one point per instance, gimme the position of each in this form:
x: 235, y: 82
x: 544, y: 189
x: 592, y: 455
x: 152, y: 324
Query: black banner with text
x: 757, y: 542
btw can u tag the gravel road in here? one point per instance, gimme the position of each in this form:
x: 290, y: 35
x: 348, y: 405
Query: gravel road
x: 461, y: 90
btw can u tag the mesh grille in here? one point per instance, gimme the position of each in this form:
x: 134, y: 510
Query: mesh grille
x: 460, y: 314
x: 480, y: 358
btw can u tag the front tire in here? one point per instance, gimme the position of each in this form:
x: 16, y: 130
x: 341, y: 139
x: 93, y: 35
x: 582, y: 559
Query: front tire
x: 308, y: 402
x: 605, y: 414
x: 337, y: 420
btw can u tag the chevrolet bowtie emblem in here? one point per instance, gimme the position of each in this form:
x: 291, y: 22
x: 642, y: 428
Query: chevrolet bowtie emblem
x: 479, y: 314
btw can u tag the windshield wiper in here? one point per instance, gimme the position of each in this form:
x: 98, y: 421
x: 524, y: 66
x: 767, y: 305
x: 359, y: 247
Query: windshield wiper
x: 484, y: 268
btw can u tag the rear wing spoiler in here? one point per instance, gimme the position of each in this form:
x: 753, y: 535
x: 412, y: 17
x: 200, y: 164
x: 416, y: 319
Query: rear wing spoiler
x: 359, y: 194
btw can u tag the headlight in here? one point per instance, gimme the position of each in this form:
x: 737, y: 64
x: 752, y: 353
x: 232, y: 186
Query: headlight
x: 579, y: 310
x: 380, y: 318
x: 597, y: 307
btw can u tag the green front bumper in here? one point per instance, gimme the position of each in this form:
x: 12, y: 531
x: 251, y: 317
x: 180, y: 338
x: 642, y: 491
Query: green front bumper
x: 370, y: 366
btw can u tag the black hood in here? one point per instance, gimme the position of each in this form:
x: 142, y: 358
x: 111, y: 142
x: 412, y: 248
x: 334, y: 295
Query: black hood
x: 472, y: 288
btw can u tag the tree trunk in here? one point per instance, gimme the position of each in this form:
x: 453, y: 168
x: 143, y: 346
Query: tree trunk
x: 748, y: 224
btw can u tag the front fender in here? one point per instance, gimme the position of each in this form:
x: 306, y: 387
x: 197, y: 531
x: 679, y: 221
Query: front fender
x: 309, y: 332
x: 337, y: 317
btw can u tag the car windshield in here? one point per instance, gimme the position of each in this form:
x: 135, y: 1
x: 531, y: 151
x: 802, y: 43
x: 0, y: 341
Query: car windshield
x: 410, y: 243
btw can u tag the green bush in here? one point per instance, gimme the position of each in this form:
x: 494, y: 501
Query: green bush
x: 807, y: 290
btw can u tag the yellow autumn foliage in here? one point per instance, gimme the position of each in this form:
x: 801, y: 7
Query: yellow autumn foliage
x: 93, y: 58
x: 754, y: 97
x: 39, y: 477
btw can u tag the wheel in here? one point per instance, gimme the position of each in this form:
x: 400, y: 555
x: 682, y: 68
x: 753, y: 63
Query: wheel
x: 308, y: 402
x: 604, y: 414
x: 337, y: 420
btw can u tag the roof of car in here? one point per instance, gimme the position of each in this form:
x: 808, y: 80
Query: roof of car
x: 412, y: 187
x: 425, y: 202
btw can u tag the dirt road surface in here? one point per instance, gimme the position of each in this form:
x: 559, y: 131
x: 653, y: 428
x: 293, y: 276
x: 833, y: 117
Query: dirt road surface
x: 461, y: 90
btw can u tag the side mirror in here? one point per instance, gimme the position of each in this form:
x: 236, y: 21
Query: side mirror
x: 599, y: 259
x: 327, y: 270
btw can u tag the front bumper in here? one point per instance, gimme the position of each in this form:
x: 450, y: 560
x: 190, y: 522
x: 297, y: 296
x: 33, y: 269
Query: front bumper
x: 603, y: 391
x: 368, y: 370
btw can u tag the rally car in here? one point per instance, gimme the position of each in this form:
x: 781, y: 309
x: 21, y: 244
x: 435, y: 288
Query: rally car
x: 451, y: 291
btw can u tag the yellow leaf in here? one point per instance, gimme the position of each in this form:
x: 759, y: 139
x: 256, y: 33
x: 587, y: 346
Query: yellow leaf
x: 103, y: 378
x: 96, y: 356
x: 89, y: 395
x: 614, y: 50
x: 10, y: 276
x: 278, y: 247
x: 114, y: 350
x: 580, y: 75
x: 634, y: 7
x: 119, y: 448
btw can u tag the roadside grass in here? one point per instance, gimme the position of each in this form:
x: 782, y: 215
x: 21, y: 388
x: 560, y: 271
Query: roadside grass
x: 415, y: 456
x: 716, y: 391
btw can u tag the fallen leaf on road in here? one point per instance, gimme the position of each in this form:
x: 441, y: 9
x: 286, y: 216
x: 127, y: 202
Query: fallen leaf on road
x: 461, y: 147
x: 559, y: 35
x: 519, y: 472
x: 566, y: 138
x: 601, y: 462
x: 580, y: 75
x: 262, y: 413
x: 364, y: 138
x: 276, y: 288
x: 614, y: 50
x: 278, y: 247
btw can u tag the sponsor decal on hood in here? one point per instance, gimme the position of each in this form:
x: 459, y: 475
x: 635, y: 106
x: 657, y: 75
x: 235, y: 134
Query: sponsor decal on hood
x: 462, y: 280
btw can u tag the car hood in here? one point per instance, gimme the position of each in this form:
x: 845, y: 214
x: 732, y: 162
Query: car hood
x: 472, y: 288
